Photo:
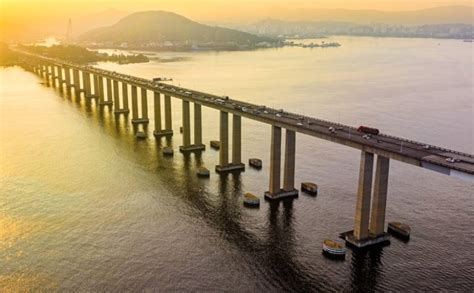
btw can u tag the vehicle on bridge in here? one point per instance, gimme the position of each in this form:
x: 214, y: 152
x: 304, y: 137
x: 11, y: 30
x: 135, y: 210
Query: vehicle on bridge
x: 368, y: 130
x: 162, y: 79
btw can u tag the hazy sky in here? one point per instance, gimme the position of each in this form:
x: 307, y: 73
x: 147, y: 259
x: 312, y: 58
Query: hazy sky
x: 31, y: 19
x: 219, y: 10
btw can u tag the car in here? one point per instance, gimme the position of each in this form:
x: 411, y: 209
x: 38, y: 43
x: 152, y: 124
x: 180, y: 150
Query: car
x: 332, y: 129
x: 299, y: 124
x: 453, y: 160
x: 278, y: 114
x: 366, y: 136
x: 265, y: 112
x: 426, y: 147
x: 244, y: 109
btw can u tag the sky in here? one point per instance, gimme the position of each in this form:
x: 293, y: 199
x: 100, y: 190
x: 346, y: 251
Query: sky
x: 209, y: 10
x: 33, y: 17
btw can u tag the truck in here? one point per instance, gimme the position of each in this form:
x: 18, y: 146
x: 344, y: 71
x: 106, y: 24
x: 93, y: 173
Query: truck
x: 369, y: 130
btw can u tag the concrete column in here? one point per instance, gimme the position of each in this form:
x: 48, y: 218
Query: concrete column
x: 379, y: 198
x: 275, y: 160
x: 53, y: 75
x: 157, y: 113
x: 116, y: 96
x: 84, y: 86
x: 236, y: 139
x: 144, y: 104
x: 224, y: 139
x: 125, y: 97
x: 60, y: 75
x: 77, y: 81
x: 197, y: 124
x: 109, y: 90
x: 289, y: 167
x: 362, y: 213
x: 168, y: 120
x: 67, y: 73
x: 134, y: 103
x: 87, y: 85
x: 96, y: 85
x: 186, y: 124
x: 100, y: 89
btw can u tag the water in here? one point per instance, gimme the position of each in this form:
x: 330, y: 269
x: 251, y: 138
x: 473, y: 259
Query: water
x: 84, y: 206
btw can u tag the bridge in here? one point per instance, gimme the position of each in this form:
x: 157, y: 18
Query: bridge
x: 369, y: 222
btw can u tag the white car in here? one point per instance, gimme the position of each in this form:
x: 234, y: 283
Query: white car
x: 452, y: 160
x: 366, y: 136
x: 299, y: 124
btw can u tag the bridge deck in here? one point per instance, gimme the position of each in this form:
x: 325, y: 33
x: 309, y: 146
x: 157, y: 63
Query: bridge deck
x: 408, y: 151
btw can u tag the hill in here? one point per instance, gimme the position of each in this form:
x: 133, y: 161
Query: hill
x: 161, y: 28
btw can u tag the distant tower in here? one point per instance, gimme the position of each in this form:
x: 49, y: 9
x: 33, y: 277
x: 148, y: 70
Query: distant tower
x: 69, y: 32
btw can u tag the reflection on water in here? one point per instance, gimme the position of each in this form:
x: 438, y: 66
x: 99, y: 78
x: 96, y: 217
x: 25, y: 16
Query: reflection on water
x: 85, y: 205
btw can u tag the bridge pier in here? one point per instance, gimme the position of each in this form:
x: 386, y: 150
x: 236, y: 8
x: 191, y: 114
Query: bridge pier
x: 125, y: 107
x: 76, y: 80
x: 224, y: 165
x: 237, y: 141
x: 44, y: 71
x: 95, y: 78
x: 379, y: 197
x: 360, y: 236
x: 117, y: 109
x: 168, y: 118
x: 187, y: 146
x: 275, y: 191
x: 60, y: 76
x: 86, y: 81
x: 198, y: 127
x: 67, y: 76
x: 53, y: 75
x: 158, y: 132
x: 135, y: 118
x: 109, y: 91
x: 101, y: 92
x: 289, y: 167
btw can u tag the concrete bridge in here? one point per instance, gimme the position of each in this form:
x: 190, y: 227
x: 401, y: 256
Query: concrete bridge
x: 369, y: 222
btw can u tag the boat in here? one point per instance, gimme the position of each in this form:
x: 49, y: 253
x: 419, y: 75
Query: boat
x: 168, y: 151
x: 256, y: 163
x: 140, y: 135
x: 251, y: 200
x: 203, y: 172
x: 399, y: 229
x: 334, y: 248
x: 309, y: 187
x: 215, y: 144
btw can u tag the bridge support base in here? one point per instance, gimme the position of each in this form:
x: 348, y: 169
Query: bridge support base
x: 229, y: 168
x: 192, y: 148
x: 161, y: 133
x: 371, y: 241
x: 282, y: 194
x: 140, y: 121
x: 120, y: 111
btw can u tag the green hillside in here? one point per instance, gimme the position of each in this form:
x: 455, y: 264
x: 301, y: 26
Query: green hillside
x: 161, y: 26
